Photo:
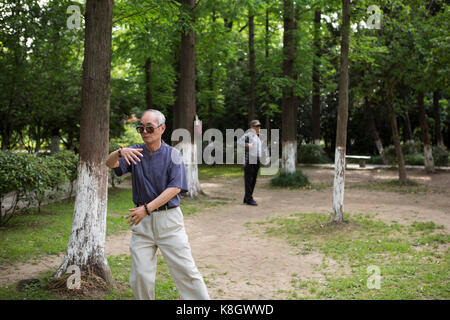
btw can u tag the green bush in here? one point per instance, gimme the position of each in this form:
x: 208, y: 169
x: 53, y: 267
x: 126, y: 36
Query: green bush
x: 390, y: 154
x: 296, y: 180
x: 129, y: 137
x: 69, y: 161
x: 414, y: 159
x: 440, y: 156
x: 312, y: 153
x: 412, y: 148
x: 375, y: 160
x: 32, y: 179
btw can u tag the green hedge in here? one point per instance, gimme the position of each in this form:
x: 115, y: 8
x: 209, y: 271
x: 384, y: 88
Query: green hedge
x: 33, y: 178
x: 312, y: 153
x: 440, y: 156
x: 295, y: 180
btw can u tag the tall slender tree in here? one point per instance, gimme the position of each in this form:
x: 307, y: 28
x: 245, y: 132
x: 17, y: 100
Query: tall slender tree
x: 341, y: 132
x: 251, y: 66
x: 390, y: 85
x: 437, y: 119
x: 266, y: 56
x: 148, y: 83
x: 375, y: 135
x: 316, y: 79
x: 86, y: 247
x: 427, y: 149
x: 289, y: 111
x: 186, y: 98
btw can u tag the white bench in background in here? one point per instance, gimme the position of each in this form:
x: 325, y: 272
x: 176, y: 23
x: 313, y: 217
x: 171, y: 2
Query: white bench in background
x: 362, y: 160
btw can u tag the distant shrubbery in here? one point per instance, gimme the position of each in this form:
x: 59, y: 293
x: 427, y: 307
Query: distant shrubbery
x: 31, y: 179
x: 312, y: 153
x: 440, y: 155
x: 296, y: 180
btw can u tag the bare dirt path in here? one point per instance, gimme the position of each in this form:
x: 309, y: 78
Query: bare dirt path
x: 241, y: 265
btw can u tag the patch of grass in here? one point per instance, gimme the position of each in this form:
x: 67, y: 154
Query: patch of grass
x: 30, y: 235
x: 412, y: 186
x: 413, y: 259
x: 35, y: 291
x: 207, y: 172
x: 120, y: 267
x: 192, y: 206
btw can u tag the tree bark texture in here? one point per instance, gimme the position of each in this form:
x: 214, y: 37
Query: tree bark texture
x: 86, y: 247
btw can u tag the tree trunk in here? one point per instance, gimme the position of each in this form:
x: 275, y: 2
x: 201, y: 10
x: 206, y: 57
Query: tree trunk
x: 211, y: 97
x: 437, y: 119
x: 176, y: 106
x: 148, y: 83
x: 408, y: 133
x: 395, y: 136
x: 251, y: 49
x: 316, y: 80
x: 38, y: 137
x: 86, y: 247
x: 187, y: 100
x: 341, y: 131
x: 427, y: 150
x: 289, y: 112
x: 375, y: 134
x: 55, y: 141
x: 266, y: 54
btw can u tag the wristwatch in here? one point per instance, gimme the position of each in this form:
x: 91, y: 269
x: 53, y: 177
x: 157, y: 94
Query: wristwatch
x: 146, y: 209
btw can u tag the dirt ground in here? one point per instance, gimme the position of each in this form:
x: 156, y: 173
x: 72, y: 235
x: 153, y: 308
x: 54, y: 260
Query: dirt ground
x: 240, y: 264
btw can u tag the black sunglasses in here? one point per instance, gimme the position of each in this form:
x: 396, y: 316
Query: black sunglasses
x: 150, y: 129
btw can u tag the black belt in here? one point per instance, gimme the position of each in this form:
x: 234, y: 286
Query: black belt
x: 162, y: 208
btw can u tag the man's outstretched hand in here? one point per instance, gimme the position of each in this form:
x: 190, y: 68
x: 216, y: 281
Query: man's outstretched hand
x: 130, y: 154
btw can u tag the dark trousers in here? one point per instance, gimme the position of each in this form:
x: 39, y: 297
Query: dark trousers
x: 250, y: 173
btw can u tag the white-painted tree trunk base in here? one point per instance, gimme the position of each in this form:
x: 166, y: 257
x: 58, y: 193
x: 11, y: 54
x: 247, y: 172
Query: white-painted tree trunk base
x: 86, y: 247
x: 289, y: 157
x: 428, y: 158
x: 189, y: 152
x: 380, y: 150
x: 317, y: 141
x: 339, y: 184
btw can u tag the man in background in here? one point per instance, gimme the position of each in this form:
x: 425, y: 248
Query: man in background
x: 252, y: 159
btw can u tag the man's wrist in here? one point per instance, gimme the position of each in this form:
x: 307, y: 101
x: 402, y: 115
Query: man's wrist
x: 119, y: 152
x: 146, y: 209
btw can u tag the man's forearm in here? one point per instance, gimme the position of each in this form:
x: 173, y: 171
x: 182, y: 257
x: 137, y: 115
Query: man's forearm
x: 113, y: 160
x: 163, y: 198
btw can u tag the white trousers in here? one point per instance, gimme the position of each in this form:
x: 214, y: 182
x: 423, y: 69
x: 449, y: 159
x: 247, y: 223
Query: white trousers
x: 164, y: 230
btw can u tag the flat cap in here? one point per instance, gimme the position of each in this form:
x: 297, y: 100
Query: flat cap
x: 255, y: 123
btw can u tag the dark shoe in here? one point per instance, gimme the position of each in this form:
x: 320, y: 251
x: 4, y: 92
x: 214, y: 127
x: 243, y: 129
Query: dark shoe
x: 245, y: 201
x: 252, y: 203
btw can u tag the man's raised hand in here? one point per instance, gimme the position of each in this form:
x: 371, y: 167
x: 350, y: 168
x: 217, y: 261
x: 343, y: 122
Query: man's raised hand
x: 130, y: 154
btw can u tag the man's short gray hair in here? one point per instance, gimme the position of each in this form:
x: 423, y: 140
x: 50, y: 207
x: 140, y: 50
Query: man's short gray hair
x: 159, y: 114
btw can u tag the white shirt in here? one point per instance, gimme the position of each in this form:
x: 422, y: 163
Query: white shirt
x: 255, y: 152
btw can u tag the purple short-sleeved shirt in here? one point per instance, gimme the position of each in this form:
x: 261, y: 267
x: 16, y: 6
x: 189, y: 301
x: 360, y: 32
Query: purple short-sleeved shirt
x: 154, y: 174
